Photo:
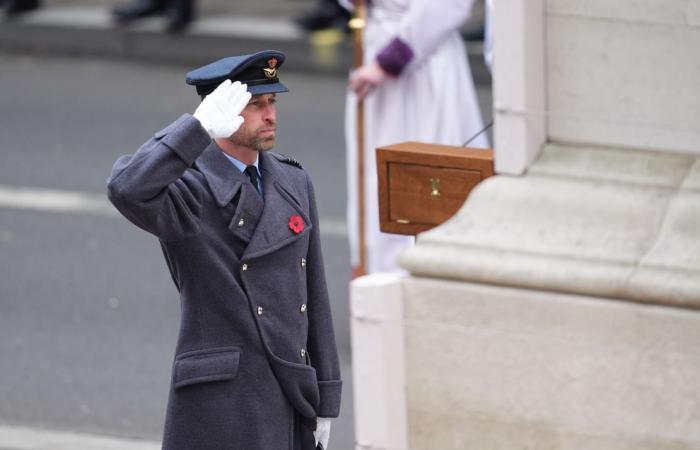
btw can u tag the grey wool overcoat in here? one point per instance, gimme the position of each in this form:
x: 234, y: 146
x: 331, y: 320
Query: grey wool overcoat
x: 256, y: 349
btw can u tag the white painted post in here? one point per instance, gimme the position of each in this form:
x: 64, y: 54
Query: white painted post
x: 378, y: 373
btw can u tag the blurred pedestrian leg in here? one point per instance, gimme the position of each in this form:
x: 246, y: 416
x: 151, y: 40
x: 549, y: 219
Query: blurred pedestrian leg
x: 179, y: 14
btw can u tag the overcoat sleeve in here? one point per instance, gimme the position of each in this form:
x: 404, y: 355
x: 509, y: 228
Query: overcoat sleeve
x: 423, y: 27
x: 148, y: 187
x: 321, y: 338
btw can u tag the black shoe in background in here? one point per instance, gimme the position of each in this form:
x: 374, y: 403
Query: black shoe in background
x: 15, y: 7
x: 124, y: 14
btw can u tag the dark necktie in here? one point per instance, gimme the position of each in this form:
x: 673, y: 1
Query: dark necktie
x: 252, y: 173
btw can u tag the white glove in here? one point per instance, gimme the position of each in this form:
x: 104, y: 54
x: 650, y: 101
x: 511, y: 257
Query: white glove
x: 323, y: 431
x: 219, y: 112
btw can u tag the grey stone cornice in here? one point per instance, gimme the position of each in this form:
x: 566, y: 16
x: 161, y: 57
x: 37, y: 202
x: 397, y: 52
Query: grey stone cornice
x: 606, y: 222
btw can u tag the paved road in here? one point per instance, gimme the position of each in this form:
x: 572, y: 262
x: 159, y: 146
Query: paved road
x: 88, y: 313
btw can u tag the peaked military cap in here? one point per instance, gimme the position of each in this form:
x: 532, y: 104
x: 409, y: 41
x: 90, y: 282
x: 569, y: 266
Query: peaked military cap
x: 259, y: 71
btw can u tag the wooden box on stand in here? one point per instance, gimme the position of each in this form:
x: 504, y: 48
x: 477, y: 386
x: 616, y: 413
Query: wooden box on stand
x: 422, y: 185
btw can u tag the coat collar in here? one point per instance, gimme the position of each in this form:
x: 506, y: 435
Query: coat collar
x: 223, y: 177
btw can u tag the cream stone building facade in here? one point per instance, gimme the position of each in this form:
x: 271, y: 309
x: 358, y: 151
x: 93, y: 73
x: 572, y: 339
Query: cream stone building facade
x: 560, y: 308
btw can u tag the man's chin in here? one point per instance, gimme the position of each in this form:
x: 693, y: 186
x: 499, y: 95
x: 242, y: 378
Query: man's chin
x: 266, y: 145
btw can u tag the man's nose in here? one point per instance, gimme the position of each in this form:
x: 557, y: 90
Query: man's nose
x: 270, y: 115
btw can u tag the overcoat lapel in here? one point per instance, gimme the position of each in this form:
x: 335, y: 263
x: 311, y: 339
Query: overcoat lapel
x: 248, y: 211
x: 281, y: 203
x: 223, y: 181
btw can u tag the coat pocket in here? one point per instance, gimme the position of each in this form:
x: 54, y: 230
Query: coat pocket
x: 299, y: 384
x: 215, y: 364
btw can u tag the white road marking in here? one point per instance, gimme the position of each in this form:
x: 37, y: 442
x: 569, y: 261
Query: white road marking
x: 75, y: 202
x: 55, y: 201
x: 23, y: 438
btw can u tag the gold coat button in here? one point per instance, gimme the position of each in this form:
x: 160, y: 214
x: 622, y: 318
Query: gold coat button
x: 244, y: 267
x: 241, y: 222
x: 303, y: 307
x: 303, y: 262
x: 303, y: 353
x: 260, y: 310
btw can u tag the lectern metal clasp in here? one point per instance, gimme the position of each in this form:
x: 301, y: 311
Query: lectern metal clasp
x: 435, y: 187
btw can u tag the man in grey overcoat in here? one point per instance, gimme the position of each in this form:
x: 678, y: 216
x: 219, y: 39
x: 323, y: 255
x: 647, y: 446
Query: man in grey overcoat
x: 256, y: 365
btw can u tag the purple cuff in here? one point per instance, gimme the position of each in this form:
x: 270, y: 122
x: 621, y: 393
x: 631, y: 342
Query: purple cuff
x: 395, y: 56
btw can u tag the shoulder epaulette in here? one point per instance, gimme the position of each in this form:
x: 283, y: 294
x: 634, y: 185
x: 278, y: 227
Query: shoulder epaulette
x: 287, y: 160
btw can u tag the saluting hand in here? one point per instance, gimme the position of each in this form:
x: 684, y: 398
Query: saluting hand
x: 219, y: 112
x: 367, y: 77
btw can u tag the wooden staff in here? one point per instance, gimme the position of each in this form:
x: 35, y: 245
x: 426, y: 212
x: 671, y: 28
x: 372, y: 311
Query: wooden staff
x: 357, y: 25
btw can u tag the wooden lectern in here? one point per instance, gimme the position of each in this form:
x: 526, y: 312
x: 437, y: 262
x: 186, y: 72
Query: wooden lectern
x: 422, y: 185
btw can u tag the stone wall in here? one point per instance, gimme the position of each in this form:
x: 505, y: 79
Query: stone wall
x: 497, y: 368
x: 624, y: 73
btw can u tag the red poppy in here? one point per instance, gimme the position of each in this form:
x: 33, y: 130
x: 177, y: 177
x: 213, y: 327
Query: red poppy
x: 296, y: 224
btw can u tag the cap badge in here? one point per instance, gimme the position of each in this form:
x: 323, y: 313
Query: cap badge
x: 271, y: 69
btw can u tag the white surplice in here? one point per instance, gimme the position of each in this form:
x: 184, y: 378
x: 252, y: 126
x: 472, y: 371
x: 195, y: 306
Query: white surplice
x: 433, y: 100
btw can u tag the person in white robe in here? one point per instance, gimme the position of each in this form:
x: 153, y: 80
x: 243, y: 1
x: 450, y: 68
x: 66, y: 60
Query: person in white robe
x: 417, y: 86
